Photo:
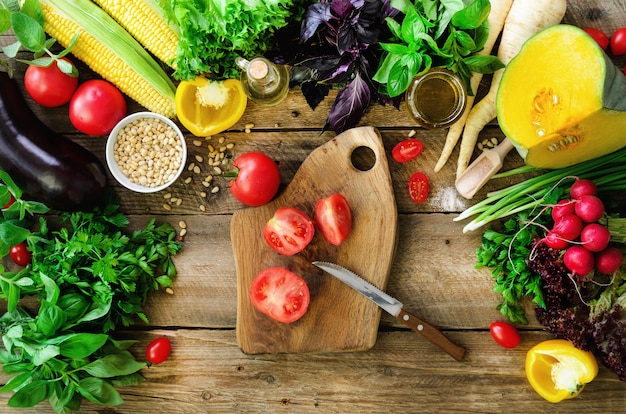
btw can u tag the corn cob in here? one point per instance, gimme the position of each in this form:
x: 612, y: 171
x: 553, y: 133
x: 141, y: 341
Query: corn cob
x: 110, y: 51
x: 143, y: 20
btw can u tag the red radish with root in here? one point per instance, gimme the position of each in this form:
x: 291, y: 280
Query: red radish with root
x: 579, y: 260
x: 568, y: 227
x: 583, y: 187
x: 595, y: 237
x: 609, y: 260
x: 589, y: 208
x: 562, y: 208
x: 554, y: 241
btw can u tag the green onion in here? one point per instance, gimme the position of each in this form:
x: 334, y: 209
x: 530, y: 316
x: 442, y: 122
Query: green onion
x: 608, y: 172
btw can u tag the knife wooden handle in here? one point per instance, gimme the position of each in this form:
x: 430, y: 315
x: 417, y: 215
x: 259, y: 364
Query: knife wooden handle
x: 432, y: 334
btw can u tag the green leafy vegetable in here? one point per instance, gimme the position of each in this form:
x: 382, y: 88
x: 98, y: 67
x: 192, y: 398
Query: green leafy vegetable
x: 213, y: 32
x: 90, y: 277
x: 435, y: 33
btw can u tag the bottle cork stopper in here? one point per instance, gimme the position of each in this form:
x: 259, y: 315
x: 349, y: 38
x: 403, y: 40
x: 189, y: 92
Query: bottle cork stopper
x: 258, y: 69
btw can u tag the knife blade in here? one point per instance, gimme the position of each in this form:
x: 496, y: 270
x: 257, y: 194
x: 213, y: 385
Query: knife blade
x: 394, y: 307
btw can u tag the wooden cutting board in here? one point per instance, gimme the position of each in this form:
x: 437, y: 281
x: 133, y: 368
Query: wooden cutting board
x: 338, y: 319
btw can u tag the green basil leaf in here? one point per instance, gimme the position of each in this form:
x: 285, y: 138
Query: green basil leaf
x: 11, y: 5
x: 51, y: 288
x: 99, y: 391
x: 483, y: 64
x: 128, y: 380
x: 30, y: 395
x: 472, y: 16
x: 32, y: 9
x: 395, y: 48
x: 41, y: 353
x: 394, y: 27
x: 113, y: 365
x: 12, y: 49
x: 465, y: 41
x: 5, y: 20
x: 81, y: 345
x: 50, y: 318
x: 28, y: 32
x: 401, y: 5
x: 412, y: 26
x: 74, y: 305
x: 62, y: 396
x: 16, y: 381
x: 402, y: 73
x: 12, y: 234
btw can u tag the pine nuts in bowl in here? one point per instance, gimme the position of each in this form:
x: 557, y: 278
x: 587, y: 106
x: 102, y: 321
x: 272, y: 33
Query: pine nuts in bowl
x: 146, y: 152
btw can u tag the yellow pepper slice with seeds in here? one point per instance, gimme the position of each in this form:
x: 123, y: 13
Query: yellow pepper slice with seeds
x: 557, y: 370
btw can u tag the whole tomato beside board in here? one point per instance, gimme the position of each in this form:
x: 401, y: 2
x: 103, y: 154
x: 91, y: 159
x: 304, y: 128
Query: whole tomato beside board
x: 20, y: 254
x: 280, y: 294
x: 505, y: 334
x: 256, y: 178
x: 96, y: 107
x: 158, y: 350
x: 48, y: 85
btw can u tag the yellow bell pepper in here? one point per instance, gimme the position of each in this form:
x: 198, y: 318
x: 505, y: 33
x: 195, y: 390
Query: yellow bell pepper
x: 557, y: 370
x: 209, y: 107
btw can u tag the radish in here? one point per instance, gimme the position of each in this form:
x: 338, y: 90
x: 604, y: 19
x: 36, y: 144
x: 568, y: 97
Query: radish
x: 568, y: 227
x: 609, y: 260
x: 562, y: 208
x: 589, y: 208
x: 579, y: 260
x: 595, y: 237
x: 554, y: 241
x: 583, y: 187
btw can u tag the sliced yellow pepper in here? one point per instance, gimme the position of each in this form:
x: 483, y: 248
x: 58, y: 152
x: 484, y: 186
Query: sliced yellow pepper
x: 557, y: 370
x: 204, y: 120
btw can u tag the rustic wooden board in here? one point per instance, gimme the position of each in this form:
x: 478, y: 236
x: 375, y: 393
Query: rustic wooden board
x: 338, y: 319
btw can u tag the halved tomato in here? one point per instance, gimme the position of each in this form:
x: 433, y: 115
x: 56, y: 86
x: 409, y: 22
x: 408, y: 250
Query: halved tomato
x: 419, y: 187
x: 289, y: 231
x: 280, y: 294
x: 407, y: 150
x: 334, y: 218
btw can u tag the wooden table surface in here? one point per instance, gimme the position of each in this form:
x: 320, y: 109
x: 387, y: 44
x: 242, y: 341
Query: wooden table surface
x: 433, y: 274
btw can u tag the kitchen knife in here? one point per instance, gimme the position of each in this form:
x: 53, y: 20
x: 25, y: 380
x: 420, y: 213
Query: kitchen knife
x: 394, y: 307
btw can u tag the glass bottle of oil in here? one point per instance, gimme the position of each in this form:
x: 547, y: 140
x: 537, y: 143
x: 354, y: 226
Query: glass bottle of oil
x: 263, y: 81
x: 437, y: 98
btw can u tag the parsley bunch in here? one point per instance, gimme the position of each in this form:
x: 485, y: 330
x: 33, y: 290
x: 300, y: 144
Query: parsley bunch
x: 89, y: 277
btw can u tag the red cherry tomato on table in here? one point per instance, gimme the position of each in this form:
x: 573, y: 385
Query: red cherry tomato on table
x: 158, y: 350
x: 505, y: 334
x: 419, y: 187
x: 20, y: 254
x: 618, y: 42
x: 599, y: 36
x: 334, y: 218
x: 49, y: 86
x: 407, y: 150
x: 280, y: 294
x: 289, y: 231
x: 96, y: 107
x: 257, y: 178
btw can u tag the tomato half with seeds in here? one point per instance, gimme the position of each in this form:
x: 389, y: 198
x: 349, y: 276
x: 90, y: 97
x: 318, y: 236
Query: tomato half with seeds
x: 406, y: 150
x: 419, y: 187
x: 334, y: 218
x: 505, y: 334
x: 20, y: 254
x: 158, y: 350
x: 280, y: 294
x: 289, y: 231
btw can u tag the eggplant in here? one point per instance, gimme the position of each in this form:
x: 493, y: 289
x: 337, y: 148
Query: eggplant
x: 47, y: 166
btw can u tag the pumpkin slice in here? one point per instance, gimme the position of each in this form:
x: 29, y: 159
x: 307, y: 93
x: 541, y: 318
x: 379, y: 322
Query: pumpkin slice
x: 561, y: 100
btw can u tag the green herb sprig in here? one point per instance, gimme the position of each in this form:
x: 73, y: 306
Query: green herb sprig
x: 435, y: 33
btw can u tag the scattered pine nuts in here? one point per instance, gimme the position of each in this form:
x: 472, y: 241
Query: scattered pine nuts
x: 187, y: 180
x: 196, y: 169
x: 202, y: 207
x: 182, y: 233
x: 199, y: 158
x: 197, y: 143
x: 169, y: 291
x: 167, y: 207
x: 412, y: 133
x: 167, y: 195
x: 215, y: 189
x: 182, y: 224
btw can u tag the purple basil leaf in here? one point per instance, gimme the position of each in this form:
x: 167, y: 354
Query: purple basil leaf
x: 314, y: 93
x: 343, y: 8
x: 346, y: 38
x: 315, y: 15
x: 350, y: 105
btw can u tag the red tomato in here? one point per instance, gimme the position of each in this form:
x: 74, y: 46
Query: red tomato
x: 280, y: 294
x: 20, y: 254
x: 334, y: 218
x: 49, y: 86
x: 257, y: 178
x: 505, y: 334
x: 158, y: 350
x: 289, y: 231
x: 618, y: 42
x: 418, y: 187
x: 599, y: 36
x: 407, y: 150
x: 96, y: 107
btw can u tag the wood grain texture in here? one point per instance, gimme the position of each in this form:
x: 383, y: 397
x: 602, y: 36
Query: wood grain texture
x: 338, y: 317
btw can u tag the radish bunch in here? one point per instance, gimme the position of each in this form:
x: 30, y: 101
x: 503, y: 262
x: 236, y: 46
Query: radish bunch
x: 577, y: 231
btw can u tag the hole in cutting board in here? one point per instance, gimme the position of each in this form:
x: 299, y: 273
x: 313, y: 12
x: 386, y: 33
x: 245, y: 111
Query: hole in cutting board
x: 363, y: 158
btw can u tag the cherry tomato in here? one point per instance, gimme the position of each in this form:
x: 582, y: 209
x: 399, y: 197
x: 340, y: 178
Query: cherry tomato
x: 334, y: 218
x: 48, y: 86
x: 418, y: 187
x: 280, y: 294
x: 96, y: 107
x: 289, y: 231
x: 20, y: 254
x: 407, y: 150
x: 257, y: 178
x: 599, y: 36
x: 618, y: 42
x: 158, y: 350
x: 505, y: 334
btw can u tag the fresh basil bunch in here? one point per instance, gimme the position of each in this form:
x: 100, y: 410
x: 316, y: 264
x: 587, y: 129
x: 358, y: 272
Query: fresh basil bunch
x: 435, y: 33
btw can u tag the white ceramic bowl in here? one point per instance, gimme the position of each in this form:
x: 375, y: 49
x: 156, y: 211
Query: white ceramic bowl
x: 114, y: 166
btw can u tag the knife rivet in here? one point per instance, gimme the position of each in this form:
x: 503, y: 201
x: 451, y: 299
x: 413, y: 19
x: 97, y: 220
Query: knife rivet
x: 405, y: 317
x: 420, y: 327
